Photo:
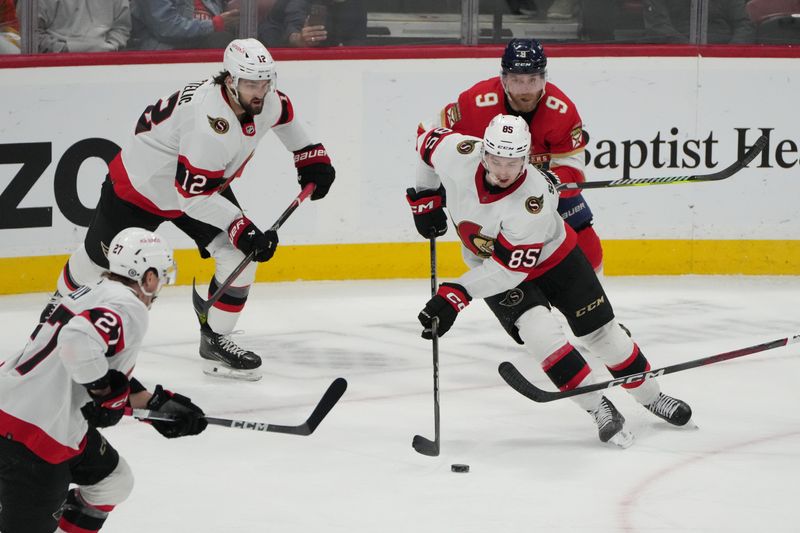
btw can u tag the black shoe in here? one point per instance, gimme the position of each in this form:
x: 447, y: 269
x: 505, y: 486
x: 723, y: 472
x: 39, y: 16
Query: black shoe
x: 216, y: 347
x: 675, y: 411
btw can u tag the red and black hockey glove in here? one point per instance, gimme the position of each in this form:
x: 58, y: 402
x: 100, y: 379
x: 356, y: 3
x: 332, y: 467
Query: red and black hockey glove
x: 248, y: 238
x: 188, y: 418
x: 450, y: 299
x: 314, y: 166
x: 107, y: 408
x: 428, y: 209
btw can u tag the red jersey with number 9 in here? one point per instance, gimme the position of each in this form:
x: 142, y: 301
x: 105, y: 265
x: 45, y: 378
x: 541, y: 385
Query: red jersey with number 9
x: 556, y: 127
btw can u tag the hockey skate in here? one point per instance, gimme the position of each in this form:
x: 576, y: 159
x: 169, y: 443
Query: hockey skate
x: 675, y: 411
x: 610, y: 424
x: 226, y: 359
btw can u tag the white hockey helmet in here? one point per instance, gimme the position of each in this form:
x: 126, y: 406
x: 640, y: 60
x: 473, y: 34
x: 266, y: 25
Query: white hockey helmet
x: 248, y: 59
x: 507, y: 136
x: 134, y: 251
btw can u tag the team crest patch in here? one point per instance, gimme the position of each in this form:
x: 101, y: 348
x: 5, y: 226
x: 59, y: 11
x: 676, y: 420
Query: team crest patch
x: 534, y: 204
x: 483, y: 244
x: 219, y: 124
x: 453, y: 114
x: 513, y: 297
x: 577, y: 136
x: 466, y: 147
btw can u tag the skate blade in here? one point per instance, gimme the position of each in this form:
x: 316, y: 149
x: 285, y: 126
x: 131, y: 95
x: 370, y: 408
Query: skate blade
x: 623, y: 439
x: 218, y: 370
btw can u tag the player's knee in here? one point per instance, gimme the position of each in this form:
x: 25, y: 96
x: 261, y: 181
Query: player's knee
x: 609, y: 343
x: 541, y: 332
x: 79, y: 270
x: 112, y: 489
x: 227, y: 257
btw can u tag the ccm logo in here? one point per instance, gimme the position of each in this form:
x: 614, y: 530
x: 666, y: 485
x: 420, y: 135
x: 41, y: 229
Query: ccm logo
x: 418, y: 209
x: 591, y: 307
x: 311, y: 154
x: 636, y: 378
x: 458, y: 302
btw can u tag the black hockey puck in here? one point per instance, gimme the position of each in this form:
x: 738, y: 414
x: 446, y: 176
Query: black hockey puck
x: 462, y: 469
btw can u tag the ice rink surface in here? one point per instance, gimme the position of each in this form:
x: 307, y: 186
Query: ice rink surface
x: 534, y: 467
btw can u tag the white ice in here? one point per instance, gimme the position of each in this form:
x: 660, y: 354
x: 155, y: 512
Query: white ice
x: 534, y: 467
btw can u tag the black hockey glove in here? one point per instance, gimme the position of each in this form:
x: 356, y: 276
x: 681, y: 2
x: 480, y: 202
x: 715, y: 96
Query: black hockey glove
x: 248, y: 238
x: 428, y: 209
x: 189, y: 419
x: 314, y: 166
x: 450, y: 299
x: 107, y: 409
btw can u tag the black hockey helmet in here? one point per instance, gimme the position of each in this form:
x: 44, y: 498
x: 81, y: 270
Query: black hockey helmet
x: 524, y: 56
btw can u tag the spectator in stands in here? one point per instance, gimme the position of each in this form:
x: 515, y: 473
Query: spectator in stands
x: 667, y: 21
x: 169, y: 24
x: 83, y: 25
x: 522, y: 7
x: 9, y: 28
x: 347, y: 22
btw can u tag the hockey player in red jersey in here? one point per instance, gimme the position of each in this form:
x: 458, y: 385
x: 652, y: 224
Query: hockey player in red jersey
x: 523, y: 259
x: 556, y: 128
x: 73, y: 377
x: 178, y: 166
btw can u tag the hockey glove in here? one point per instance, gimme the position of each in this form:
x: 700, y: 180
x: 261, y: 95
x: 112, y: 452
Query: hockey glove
x: 248, y: 238
x: 450, y: 299
x: 428, y: 209
x: 314, y: 166
x: 107, y: 409
x: 188, y: 418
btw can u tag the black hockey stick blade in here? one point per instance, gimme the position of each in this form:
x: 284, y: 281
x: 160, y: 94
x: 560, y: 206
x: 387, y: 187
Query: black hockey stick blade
x: 324, y: 406
x: 201, y: 306
x: 425, y: 446
x: 517, y: 381
x: 727, y: 172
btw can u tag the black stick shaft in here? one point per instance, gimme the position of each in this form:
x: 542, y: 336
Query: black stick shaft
x: 201, y: 306
x: 513, y: 377
x: 727, y: 172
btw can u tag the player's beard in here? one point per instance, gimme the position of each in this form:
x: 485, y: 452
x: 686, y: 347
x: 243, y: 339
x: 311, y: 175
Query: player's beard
x: 254, y: 109
x: 525, y: 103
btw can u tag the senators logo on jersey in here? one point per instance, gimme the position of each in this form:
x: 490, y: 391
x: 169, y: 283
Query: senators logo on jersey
x: 534, y: 204
x: 466, y: 147
x: 219, y: 124
x: 477, y: 243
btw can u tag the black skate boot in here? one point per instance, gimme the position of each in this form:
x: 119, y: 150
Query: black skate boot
x: 235, y: 361
x: 675, y: 411
x: 610, y: 424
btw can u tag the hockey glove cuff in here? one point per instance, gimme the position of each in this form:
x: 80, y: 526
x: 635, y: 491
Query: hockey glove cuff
x: 106, y: 409
x: 314, y: 166
x: 450, y: 299
x: 245, y: 236
x: 189, y: 419
x: 428, y: 209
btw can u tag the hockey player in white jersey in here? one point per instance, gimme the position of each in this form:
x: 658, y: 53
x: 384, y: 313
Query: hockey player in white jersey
x: 522, y: 260
x: 73, y: 377
x: 178, y: 166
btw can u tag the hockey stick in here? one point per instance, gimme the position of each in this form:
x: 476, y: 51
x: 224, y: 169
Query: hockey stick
x: 421, y: 444
x: 201, y: 306
x: 738, y: 165
x: 513, y: 377
x: 325, y: 404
